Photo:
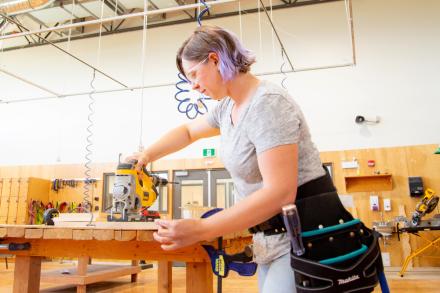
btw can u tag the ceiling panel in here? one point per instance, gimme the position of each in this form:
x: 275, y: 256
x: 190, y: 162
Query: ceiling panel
x: 51, y: 15
x: 129, y: 4
x: 96, y: 7
x: 78, y: 11
x: 165, y: 3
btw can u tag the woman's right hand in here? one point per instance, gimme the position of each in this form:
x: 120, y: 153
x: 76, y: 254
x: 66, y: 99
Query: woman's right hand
x: 142, y: 159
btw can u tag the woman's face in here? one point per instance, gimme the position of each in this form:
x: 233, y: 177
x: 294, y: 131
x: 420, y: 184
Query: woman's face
x: 205, y: 77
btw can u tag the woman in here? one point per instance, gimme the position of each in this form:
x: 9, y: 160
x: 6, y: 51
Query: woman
x: 265, y: 145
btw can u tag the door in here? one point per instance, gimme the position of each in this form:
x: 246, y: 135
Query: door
x: 205, y: 188
x: 222, y: 189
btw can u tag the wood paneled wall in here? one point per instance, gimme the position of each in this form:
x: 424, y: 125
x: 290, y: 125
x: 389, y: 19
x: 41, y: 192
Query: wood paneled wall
x: 400, y: 162
x: 60, y: 171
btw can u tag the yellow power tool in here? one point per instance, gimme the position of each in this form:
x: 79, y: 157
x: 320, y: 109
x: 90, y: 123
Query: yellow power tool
x: 425, y: 206
x: 133, y: 193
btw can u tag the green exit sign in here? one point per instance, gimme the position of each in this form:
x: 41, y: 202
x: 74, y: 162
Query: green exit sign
x: 208, y: 153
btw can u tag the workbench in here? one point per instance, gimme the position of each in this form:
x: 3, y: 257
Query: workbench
x: 113, y: 240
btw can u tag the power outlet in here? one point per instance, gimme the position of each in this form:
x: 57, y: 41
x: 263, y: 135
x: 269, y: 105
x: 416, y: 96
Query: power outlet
x: 374, y: 203
x: 386, y: 259
x: 387, y: 204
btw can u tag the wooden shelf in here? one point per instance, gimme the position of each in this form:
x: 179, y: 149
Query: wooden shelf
x: 93, y: 274
x: 368, y: 183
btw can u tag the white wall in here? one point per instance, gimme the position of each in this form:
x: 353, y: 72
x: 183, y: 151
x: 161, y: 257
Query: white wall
x: 396, y: 78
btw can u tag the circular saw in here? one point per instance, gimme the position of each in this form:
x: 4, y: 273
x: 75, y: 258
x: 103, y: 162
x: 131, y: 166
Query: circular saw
x: 425, y: 206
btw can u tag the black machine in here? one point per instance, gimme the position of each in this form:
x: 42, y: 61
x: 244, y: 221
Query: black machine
x: 415, y: 186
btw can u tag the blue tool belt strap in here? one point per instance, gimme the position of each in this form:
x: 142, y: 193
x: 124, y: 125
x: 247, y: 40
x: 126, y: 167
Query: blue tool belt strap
x: 320, y: 185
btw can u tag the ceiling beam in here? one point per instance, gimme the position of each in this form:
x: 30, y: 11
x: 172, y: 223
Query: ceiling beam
x: 119, y: 17
x: 8, y: 18
x: 176, y: 22
x: 120, y: 10
x: 182, y: 2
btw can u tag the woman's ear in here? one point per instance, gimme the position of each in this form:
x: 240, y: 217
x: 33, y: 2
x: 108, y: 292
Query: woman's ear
x: 214, y: 57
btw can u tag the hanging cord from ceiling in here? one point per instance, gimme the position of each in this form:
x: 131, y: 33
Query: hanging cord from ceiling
x: 183, y: 95
x: 239, y: 21
x: 59, y: 111
x: 203, y: 12
x: 185, y: 106
x: 284, y: 54
x: 86, y: 203
x: 260, y: 34
x: 143, y: 51
x: 88, y: 183
x: 272, y: 32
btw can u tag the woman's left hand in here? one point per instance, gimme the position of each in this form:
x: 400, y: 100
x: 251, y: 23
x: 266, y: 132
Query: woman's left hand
x: 174, y: 234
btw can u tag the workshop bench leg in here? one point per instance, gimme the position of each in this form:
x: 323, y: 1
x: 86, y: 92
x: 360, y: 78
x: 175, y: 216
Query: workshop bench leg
x: 27, y: 274
x: 199, y: 277
x: 165, y: 277
x: 134, y: 276
x: 83, y: 262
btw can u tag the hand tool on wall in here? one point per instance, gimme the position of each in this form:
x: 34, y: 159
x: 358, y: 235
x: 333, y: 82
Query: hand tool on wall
x: 48, y: 216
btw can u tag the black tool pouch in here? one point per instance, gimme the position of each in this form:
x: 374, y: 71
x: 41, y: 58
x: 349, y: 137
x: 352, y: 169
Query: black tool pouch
x: 325, y: 210
x: 342, y: 255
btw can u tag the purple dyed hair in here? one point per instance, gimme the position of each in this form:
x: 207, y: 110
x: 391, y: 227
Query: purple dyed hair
x: 234, y: 58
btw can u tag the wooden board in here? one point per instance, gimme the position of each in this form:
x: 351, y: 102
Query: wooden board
x: 369, y: 183
x: 95, y: 273
x: 96, y: 225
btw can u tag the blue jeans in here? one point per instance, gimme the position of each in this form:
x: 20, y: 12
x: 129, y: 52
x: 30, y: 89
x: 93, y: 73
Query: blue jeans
x: 276, y: 276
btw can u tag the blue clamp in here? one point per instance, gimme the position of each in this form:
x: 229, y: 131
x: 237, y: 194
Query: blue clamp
x: 221, y: 262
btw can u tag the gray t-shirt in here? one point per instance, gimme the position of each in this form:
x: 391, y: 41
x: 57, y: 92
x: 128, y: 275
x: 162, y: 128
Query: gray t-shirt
x: 271, y: 118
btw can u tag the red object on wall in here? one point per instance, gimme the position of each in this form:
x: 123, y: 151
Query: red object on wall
x: 371, y: 163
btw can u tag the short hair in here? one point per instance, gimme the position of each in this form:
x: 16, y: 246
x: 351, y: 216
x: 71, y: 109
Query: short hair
x: 234, y: 57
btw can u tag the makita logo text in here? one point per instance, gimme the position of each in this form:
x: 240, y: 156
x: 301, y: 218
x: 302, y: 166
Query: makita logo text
x: 348, y: 280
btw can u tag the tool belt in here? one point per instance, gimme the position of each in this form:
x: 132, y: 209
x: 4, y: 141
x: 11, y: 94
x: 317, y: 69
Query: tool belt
x: 341, y: 254
x: 275, y: 225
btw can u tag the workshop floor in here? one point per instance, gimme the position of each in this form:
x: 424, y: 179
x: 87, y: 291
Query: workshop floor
x: 420, y: 282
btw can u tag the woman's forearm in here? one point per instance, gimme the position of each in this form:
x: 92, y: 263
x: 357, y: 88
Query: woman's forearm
x: 251, y: 211
x: 180, y: 137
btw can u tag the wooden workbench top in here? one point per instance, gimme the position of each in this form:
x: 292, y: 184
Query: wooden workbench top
x: 95, y: 225
x: 80, y: 231
x: 122, y: 231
